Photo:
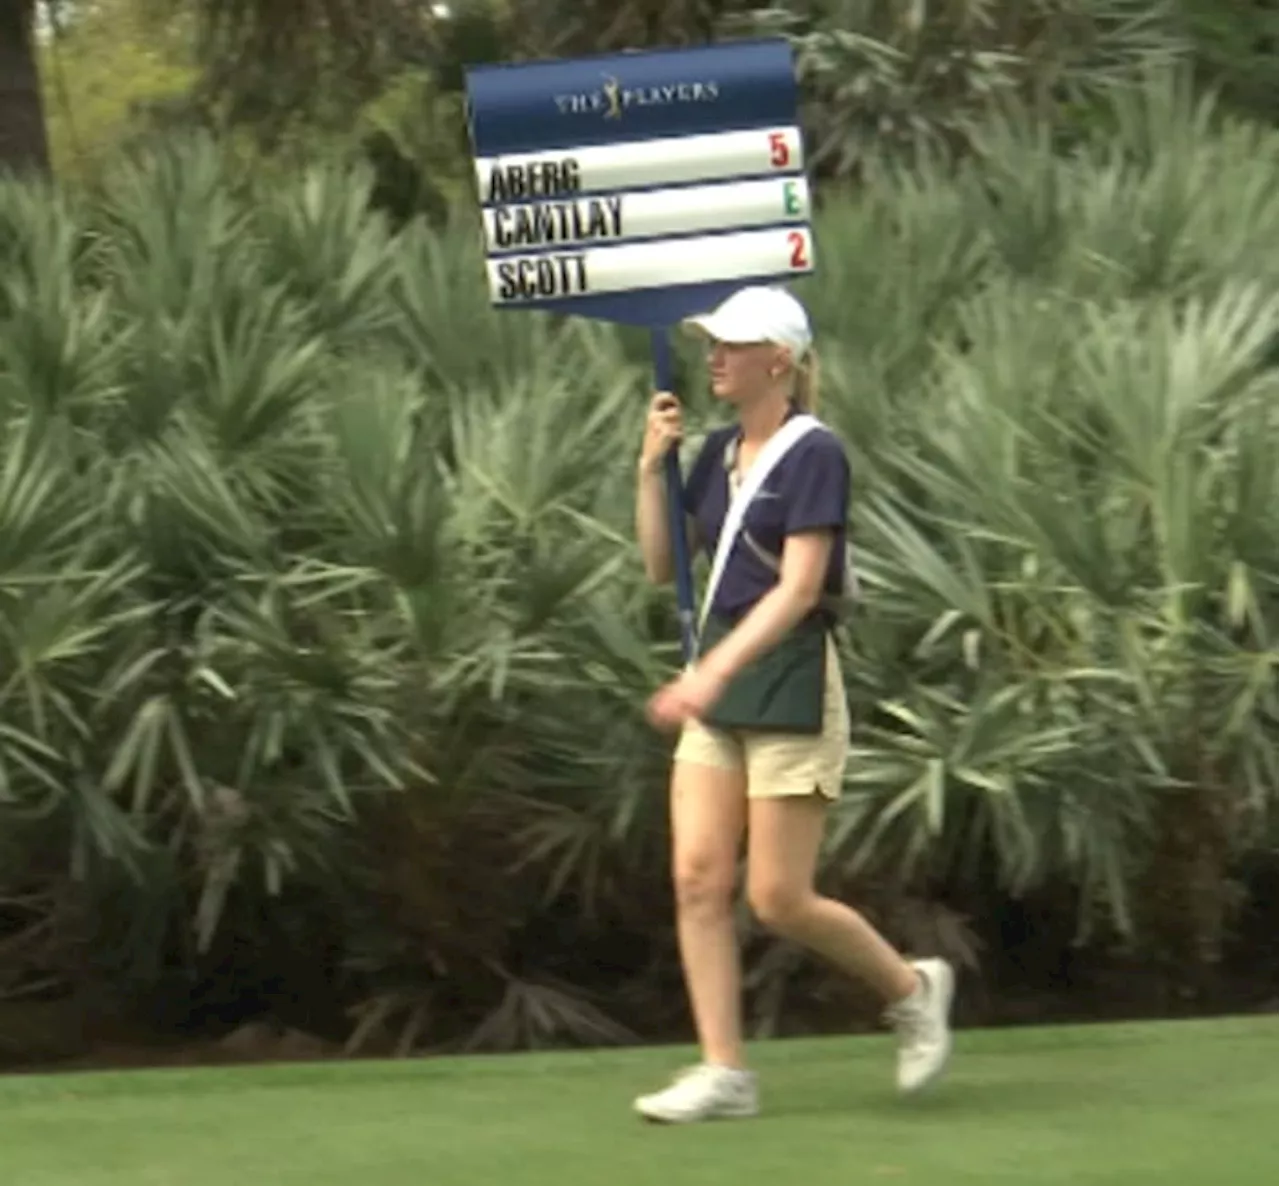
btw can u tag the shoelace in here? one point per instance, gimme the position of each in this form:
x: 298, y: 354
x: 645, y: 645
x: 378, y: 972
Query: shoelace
x: 694, y: 1073
x: 911, y: 1027
x: 910, y: 1020
x: 698, y: 1071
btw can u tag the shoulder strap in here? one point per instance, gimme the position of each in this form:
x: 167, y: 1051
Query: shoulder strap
x: 775, y: 448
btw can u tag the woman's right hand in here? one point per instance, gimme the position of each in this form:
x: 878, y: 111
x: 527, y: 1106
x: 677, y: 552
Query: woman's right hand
x: 663, y: 428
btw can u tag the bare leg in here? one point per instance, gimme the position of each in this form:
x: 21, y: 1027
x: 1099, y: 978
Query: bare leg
x: 785, y: 835
x: 708, y: 815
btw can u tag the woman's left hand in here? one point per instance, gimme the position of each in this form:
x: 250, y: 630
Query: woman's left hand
x: 689, y: 695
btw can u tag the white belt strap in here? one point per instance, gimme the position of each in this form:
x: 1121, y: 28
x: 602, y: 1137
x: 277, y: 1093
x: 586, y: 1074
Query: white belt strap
x: 775, y: 448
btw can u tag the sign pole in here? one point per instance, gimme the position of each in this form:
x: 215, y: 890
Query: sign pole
x: 664, y: 380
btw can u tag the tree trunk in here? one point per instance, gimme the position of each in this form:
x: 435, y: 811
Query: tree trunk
x: 23, y: 145
x: 1192, y: 889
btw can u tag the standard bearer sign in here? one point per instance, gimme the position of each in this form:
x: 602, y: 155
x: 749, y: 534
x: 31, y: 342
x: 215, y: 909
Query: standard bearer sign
x: 640, y: 187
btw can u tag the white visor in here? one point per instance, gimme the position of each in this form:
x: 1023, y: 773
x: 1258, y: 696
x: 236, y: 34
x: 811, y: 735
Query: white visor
x: 759, y: 314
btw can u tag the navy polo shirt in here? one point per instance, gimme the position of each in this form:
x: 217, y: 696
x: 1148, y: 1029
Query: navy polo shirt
x: 807, y: 490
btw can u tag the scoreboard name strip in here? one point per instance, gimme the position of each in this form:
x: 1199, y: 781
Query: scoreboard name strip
x: 649, y: 164
x: 548, y: 276
x: 646, y: 214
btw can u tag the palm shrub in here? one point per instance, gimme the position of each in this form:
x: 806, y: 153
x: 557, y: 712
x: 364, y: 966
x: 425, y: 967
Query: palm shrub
x: 320, y: 615
x: 351, y: 546
x: 878, y: 76
x: 1067, y: 661
x: 166, y: 701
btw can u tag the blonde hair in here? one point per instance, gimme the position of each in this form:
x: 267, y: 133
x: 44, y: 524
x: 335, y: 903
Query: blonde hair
x: 806, y: 386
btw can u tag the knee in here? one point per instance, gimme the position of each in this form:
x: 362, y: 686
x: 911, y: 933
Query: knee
x: 704, y: 887
x: 781, y: 906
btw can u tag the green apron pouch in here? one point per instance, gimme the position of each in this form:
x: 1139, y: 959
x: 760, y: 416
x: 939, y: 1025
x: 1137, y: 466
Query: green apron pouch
x: 781, y: 691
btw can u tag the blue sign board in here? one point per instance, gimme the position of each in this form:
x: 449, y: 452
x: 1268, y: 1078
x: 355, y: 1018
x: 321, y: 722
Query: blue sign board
x: 640, y: 187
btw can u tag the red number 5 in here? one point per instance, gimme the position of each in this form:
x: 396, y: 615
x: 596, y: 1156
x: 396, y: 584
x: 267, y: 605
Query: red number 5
x: 798, y: 257
x: 779, y: 153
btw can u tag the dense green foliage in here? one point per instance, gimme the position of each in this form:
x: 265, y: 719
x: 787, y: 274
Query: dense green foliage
x: 1234, y: 51
x: 382, y: 81
x: 323, y: 638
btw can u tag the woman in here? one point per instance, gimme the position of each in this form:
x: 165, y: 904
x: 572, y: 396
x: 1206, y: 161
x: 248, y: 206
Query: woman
x: 771, y: 782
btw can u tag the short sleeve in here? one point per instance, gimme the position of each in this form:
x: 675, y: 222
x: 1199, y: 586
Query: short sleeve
x: 817, y: 491
x: 705, y: 466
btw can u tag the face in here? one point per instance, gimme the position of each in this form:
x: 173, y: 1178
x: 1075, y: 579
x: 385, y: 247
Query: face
x: 740, y: 373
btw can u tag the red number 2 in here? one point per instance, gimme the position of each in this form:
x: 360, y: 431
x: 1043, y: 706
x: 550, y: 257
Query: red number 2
x: 798, y: 257
x: 779, y: 153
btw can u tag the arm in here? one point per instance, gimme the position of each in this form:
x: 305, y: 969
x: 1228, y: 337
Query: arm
x: 651, y: 524
x: 652, y: 516
x: 801, y: 576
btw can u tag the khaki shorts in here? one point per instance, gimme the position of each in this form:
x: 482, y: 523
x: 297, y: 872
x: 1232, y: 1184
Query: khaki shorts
x: 780, y: 763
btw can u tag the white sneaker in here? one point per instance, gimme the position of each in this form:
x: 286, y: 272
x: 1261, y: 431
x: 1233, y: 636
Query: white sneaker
x: 702, y: 1093
x: 923, y: 1023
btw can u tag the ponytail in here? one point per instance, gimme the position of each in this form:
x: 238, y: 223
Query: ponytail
x: 806, y: 389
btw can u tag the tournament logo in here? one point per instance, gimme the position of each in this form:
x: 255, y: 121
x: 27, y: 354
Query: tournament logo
x: 613, y: 99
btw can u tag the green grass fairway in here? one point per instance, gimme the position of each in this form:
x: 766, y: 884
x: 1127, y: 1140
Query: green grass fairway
x: 1191, y: 1103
